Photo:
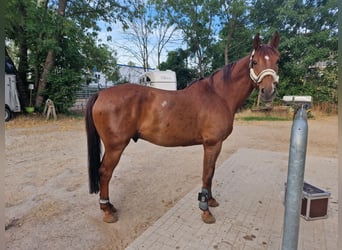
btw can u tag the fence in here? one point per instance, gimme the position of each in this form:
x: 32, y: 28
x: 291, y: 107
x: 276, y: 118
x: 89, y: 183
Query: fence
x: 82, y: 98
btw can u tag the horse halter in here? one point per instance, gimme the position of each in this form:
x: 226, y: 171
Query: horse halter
x: 258, y: 78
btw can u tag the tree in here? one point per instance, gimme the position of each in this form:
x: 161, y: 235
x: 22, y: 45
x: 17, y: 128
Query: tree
x: 51, y: 54
x: 147, y: 32
x: 138, y: 29
x: 231, y: 45
x: 74, y: 65
x: 176, y: 61
x: 164, y: 32
x: 197, y: 20
x: 44, y: 29
x: 233, y: 16
x: 15, y: 29
x: 57, y: 40
x: 309, y: 36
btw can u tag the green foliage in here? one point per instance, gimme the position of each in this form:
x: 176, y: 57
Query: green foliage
x: 308, y: 39
x: 197, y: 20
x: 62, y: 85
x: 210, y: 29
x: 239, y: 46
x: 38, y: 30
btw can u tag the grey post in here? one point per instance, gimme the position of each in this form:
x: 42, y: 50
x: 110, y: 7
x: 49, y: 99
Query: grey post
x: 295, y: 180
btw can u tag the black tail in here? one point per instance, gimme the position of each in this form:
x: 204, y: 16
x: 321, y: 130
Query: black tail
x: 94, y: 148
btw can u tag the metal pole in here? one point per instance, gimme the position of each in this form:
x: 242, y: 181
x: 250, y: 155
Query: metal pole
x: 295, y: 180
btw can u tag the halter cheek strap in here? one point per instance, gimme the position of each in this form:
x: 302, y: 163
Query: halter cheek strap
x: 258, y: 78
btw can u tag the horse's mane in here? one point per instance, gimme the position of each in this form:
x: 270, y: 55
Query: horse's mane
x: 227, y: 70
x: 195, y: 81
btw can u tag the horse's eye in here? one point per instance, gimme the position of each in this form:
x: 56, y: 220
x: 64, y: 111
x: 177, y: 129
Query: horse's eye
x: 254, y: 62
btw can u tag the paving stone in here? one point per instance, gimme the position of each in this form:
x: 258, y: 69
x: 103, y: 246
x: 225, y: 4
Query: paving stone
x: 250, y: 189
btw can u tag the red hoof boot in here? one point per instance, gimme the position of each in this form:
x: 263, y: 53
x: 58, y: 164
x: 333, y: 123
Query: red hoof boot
x: 213, y: 203
x: 207, y: 217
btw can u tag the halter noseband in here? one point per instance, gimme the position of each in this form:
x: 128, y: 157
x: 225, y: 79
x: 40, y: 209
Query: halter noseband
x: 258, y: 78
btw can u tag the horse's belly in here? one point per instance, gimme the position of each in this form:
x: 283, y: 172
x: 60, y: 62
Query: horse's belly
x: 177, y: 137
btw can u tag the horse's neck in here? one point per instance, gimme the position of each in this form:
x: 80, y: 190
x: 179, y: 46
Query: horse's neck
x: 237, y: 89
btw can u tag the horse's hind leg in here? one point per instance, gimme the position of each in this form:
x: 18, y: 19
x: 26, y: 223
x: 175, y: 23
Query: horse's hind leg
x: 109, y: 162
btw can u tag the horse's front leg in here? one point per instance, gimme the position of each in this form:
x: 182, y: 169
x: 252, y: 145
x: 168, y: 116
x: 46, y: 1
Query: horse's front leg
x: 205, y: 198
x: 109, y: 162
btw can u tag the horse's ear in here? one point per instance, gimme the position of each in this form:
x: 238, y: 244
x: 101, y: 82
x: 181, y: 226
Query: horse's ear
x: 275, y: 40
x: 256, y: 41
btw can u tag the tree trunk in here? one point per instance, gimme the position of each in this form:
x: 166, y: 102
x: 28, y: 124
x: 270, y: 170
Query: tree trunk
x: 49, y: 61
x: 22, y: 87
x: 21, y: 75
x: 23, y: 64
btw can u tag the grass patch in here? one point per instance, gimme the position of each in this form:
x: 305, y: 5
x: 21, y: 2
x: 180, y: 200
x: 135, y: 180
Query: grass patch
x: 37, y: 119
x: 276, y: 114
x: 263, y: 118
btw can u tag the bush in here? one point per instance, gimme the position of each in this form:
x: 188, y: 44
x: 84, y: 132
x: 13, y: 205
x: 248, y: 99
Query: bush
x: 62, y: 87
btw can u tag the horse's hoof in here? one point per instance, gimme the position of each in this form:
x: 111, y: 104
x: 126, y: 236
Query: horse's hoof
x: 208, y: 218
x: 212, y: 203
x: 110, y: 217
x: 110, y: 213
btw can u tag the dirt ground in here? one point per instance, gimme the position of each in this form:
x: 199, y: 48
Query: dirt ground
x: 48, y: 205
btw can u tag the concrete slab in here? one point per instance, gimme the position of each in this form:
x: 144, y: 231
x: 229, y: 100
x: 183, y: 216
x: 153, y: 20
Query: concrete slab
x: 250, y: 188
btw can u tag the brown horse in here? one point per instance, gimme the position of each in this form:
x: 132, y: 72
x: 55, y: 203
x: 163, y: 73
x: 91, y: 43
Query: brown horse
x: 202, y: 113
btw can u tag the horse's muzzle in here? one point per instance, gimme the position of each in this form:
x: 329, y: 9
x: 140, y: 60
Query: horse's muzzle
x: 268, y: 93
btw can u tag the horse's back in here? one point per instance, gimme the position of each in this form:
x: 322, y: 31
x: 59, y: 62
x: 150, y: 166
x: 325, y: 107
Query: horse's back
x: 130, y: 97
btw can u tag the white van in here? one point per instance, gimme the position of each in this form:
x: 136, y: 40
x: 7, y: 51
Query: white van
x: 159, y: 79
x: 12, y: 103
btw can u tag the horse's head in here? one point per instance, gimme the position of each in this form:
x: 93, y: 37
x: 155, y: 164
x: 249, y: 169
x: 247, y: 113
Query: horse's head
x: 264, y: 66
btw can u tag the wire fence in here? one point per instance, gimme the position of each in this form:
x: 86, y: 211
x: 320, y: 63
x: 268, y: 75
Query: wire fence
x: 82, y: 98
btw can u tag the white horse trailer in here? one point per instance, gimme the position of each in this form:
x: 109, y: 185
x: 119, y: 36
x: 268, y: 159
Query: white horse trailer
x: 12, y: 104
x: 159, y: 79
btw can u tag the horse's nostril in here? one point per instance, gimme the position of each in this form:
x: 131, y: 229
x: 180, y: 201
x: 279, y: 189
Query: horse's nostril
x: 263, y: 90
